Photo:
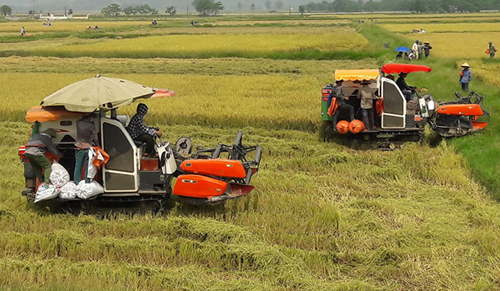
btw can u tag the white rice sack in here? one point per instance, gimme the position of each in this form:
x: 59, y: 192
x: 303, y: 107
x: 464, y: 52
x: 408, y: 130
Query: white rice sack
x: 59, y: 175
x: 68, y: 191
x: 46, y: 192
x: 88, y: 190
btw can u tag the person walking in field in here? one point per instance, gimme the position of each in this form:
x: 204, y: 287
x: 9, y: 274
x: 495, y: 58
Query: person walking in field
x: 491, y: 50
x: 23, y: 31
x: 465, y: 77
x: 427, y: 48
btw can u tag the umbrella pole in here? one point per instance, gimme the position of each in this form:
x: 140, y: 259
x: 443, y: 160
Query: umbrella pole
x: 113, y: 114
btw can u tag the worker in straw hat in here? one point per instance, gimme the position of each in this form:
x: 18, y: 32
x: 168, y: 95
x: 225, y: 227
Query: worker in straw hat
x: 427, y: 48
x: 465, y: 77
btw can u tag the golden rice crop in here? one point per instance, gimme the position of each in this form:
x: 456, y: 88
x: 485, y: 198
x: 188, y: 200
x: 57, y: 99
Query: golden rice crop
x: 463, y: 46
x: 220, y: 44
x: 237, y: 30
x: 45, y: 43
x: 323, y: 70
x: 271, y: 95
x: 305, y: 21
x: 410, y: 16
x: 489, y: 72
x: 65, y: 25
x: 444, y: 27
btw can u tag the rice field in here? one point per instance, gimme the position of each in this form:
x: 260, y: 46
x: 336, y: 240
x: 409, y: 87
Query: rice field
x: 191, y: 42
x: 179, y: 45
x: 458, y: 45
x: 434, y: 28
x: 66, y: 25
x: 255, y: 92
x: 323, y: 216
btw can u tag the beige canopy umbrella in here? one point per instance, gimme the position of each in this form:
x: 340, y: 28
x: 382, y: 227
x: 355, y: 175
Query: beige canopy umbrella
x: 98, y: 93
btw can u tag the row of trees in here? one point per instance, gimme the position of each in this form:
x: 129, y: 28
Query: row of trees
x: 115, y: 10
x: 404, y: 5
x: 207, y: 7
x: 204, y: 7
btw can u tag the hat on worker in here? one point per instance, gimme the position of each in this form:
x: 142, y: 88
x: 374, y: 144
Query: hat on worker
x: 426, y: 41
x: 465, y: 65
x: 50, y: 131
x: 490, y: 42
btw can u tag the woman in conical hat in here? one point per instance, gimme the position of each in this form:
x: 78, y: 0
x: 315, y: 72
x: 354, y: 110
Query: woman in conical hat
x: 465, y: 77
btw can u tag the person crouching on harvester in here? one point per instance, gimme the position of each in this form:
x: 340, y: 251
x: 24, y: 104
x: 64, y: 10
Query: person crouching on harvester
x: 340, y: 99
x: 35, y: 153
x: 140, y: 132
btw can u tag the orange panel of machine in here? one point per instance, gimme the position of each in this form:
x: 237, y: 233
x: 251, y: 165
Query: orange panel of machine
x: 199, y: 186
x: 43, y: 114
x: 476, y: 125
x: 216, y: 167
x: 461, y: 109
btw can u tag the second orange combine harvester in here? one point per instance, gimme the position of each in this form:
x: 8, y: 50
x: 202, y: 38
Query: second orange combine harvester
x: 397, y: 118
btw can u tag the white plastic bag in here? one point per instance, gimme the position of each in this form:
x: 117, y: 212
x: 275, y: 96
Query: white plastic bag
x: 58, y: 175
x: 68, y: 191
x: 88, y: 190
x: 46, y: 192
x: 91, y: 168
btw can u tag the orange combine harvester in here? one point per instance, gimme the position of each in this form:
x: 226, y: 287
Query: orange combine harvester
x: 398, y: 118
x: 130, y: 180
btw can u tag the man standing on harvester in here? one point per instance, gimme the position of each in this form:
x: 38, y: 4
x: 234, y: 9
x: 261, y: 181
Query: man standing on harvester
x: 86, y: 137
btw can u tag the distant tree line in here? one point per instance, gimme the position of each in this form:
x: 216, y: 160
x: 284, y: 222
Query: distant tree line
x: 115, y: 10
x: 404, y: 5
x: 204, y: 7
x: 207, y: 7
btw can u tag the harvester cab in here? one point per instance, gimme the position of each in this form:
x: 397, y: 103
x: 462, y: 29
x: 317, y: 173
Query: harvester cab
x: 396, y: 117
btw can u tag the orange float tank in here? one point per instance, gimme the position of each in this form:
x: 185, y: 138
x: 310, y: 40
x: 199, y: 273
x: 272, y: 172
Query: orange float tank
x: 356, y: 126
x: 343, y: 127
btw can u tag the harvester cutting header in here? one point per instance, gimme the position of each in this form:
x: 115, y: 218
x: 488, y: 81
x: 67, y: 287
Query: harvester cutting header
x: 370, y: 104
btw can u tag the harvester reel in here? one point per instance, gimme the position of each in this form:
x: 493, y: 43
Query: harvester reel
x: 238, y: 151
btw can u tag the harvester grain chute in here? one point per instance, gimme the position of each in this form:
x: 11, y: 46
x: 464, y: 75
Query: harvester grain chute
x: 131, y: 181
x: 396, y: 118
